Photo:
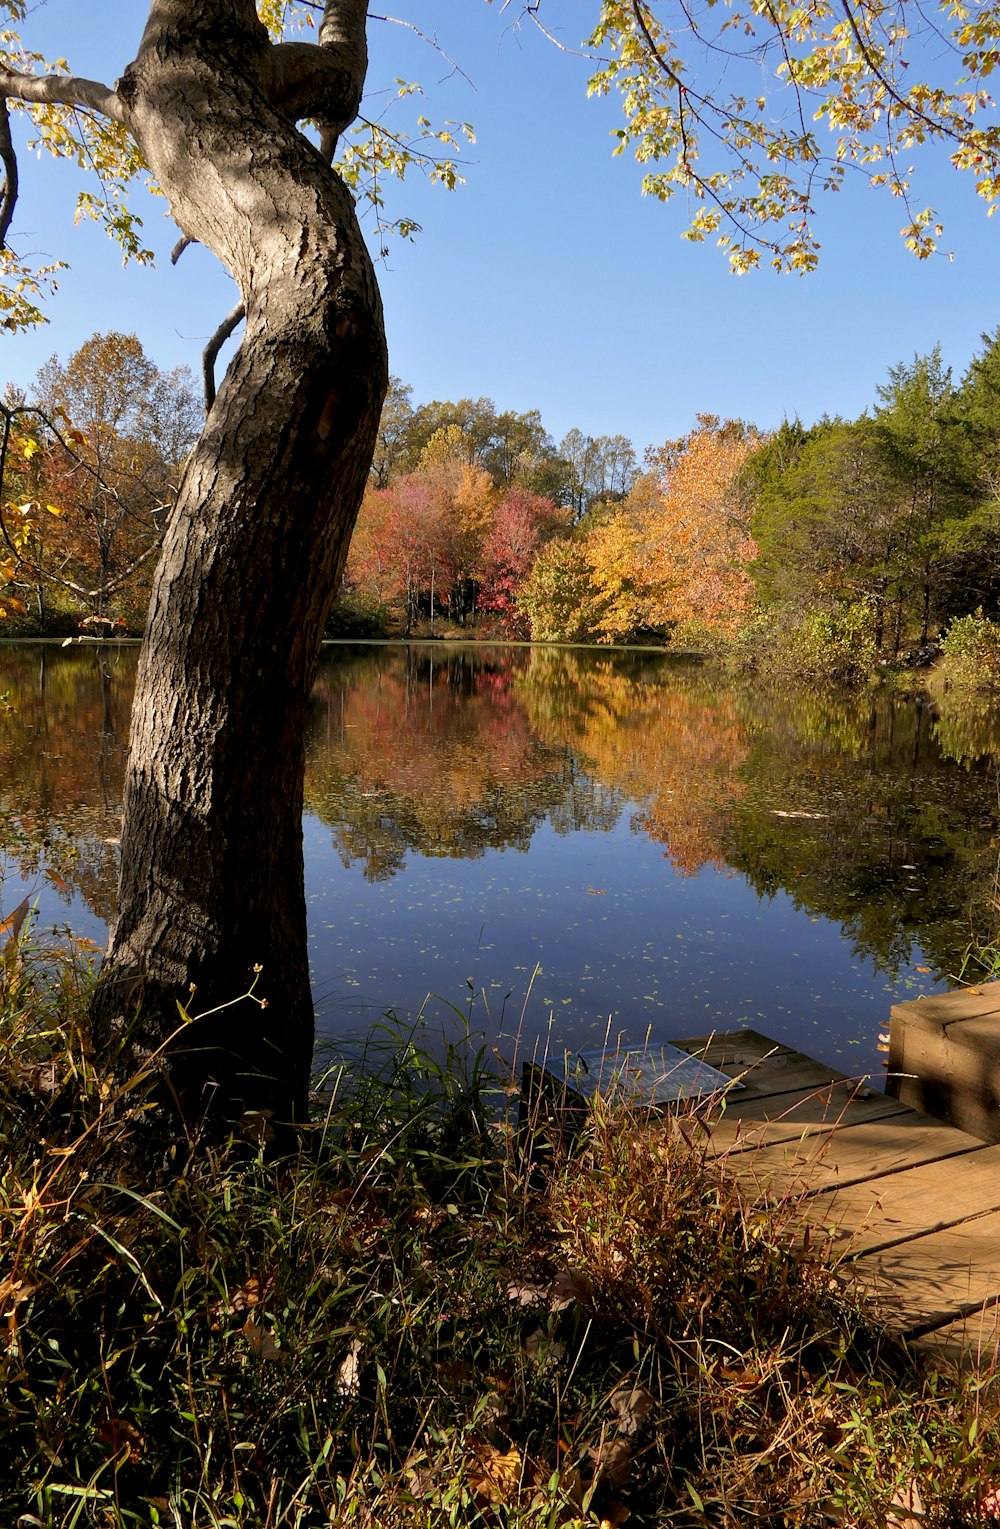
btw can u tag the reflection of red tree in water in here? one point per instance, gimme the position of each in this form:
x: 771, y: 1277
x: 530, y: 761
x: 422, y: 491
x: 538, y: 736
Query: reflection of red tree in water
x: 428, y: 754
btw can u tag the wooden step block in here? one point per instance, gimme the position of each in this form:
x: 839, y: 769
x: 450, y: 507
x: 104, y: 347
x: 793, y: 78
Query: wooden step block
x: 944, y: 1057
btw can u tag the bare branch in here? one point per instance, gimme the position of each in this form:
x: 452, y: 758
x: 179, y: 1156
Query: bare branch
x: 110, y: 585
x: 431, y: 42
x: 211, y: 351
x: 180, y: 247
x: 61, y: 90
x: 8, y: 196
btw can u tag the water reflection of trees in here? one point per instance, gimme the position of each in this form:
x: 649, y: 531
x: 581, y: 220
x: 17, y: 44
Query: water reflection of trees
x: 852, y: 812
x: 428, y: 750
x: 845, y: 803
x: 63, y: 732
x: 670, y: 738
x: 842, y: 802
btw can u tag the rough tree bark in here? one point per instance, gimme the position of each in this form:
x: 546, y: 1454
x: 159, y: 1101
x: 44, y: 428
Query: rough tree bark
x: 212, y: 871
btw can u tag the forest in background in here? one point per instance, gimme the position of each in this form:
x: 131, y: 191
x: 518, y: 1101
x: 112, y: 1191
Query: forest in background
x: 831, y: 549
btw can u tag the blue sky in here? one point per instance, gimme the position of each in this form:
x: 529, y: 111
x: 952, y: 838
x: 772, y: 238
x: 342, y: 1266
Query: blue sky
x: 546, y: 281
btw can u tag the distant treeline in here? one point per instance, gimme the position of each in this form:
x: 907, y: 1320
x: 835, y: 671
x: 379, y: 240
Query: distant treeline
x: 832, y: 548
x: 836, y: 545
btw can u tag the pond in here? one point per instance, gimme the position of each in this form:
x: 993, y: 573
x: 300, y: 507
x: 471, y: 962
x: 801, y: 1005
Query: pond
x: 566, y: 841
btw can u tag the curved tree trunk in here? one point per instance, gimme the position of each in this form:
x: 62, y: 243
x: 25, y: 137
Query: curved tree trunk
x: 212, y: 872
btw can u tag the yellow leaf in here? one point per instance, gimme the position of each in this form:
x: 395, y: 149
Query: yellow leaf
x: 495, y: 1477
x: 29, y: 448
x: 55, y: 509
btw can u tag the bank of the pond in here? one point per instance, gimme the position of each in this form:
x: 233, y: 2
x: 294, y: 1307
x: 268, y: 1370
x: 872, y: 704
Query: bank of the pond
x: 422, y: 1319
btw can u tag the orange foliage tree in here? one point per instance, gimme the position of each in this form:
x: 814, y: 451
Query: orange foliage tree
x: 698, y: 545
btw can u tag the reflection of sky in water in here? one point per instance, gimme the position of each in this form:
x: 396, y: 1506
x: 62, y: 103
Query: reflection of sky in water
x: 617, y: 934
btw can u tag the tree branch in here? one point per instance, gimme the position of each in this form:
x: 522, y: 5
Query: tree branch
x: 211, y: 351
x: 61, y: 90
x: 325, y: 79
x: 8, y: 197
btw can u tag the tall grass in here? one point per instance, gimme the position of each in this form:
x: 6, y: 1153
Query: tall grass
x: 409, y: 1323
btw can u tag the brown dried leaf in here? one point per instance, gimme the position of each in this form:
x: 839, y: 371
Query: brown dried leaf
x: 11, y: 925
x: 527, y: 1293
x: 907, y: 1509
x: 612, y: 1462
x: 543, y: 1348
x: 631, y: 1406
x: 347, y: 1378
x: 495, y: 1477
x: 248, y: 1295
x: 122, y: 1438
x: 262, y: 1344
x: 569, y: 1286
x: 13, y: 1292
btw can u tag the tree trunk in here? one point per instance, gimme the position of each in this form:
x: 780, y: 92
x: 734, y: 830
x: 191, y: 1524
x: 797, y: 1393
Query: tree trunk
x: 212, y: 871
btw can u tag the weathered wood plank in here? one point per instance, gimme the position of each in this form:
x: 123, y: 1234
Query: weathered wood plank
x: 733, y: 1048
x: 940, y: 1009
x: 932, y: 1279
x: 945, y: 1056
x: 916, y: 1200
x: 855, y: 1154
x: 762, y: 1066
x: 878, y: 1212
x: 970, y: 1345
x: 752, y: 1122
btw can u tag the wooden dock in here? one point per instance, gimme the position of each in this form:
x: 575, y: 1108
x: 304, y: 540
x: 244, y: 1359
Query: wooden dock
x: 914, y: 1201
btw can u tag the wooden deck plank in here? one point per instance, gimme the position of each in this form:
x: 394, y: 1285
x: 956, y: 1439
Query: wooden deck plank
x: 876, y: 1213
x: 969, y: 1345
x: 916, y: 1201
x: 946, y: 1009
x: 750, y: 1122
x: 933, y: 1279
x: 856, y: 1154
x: 762, y: 1066
x: 733, y: 1048
x: 783, y: 1074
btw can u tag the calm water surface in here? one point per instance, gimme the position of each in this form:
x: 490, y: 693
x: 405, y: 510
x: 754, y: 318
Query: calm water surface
x: 567, y: 840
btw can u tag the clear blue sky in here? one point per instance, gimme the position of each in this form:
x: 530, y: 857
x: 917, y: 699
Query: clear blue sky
x: 547, y: 280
